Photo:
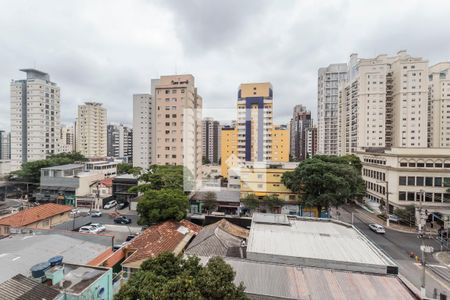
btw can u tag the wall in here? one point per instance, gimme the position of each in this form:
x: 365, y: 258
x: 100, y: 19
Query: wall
x: 91, y: 292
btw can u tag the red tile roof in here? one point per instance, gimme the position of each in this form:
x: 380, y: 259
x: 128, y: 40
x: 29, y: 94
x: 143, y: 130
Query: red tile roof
x: 164, y: 237
x: 107, y: 182
x: 35, y: 214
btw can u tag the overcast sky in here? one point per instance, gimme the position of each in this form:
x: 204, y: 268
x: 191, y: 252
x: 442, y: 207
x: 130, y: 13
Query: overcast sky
x: 108, y: 50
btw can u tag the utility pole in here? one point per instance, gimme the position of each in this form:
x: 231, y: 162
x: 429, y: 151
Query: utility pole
x: 387, y: 204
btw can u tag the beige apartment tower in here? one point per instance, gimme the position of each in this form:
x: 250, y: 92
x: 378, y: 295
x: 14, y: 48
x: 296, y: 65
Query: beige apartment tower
x: 143, y: 118
x: 91, y: 134
x: 178, y: 123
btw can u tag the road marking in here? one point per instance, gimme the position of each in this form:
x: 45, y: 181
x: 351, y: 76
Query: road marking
x: 437, y: 266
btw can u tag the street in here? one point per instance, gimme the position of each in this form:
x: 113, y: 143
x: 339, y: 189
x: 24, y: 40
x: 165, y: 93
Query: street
x: 399, y: 245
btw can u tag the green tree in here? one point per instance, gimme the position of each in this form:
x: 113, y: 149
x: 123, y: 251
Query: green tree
x: 325, y: 181
x: 271, y: 202
x: 251, y: 201
x: 160, y: 205
x: 407, y: 214
x: 210, y: 201
x: 124, y: 168
x: 171, y: 277
x: 164, y: 177
x: 31, y: 171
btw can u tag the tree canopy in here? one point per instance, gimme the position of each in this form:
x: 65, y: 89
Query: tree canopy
x: 125, y: 168
x: 164, y: 177
x: 325, y: 181
x: 160, y: 205
x: 210, y: 201
x: 170, y: 277
x: 269, y: 202
x: 31, y: 171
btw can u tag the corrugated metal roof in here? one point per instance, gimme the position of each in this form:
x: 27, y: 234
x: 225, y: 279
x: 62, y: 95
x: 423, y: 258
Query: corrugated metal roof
x: 20, y: 287
x: 290, y: 282
x: 279, y: 219
x: 315, y: 241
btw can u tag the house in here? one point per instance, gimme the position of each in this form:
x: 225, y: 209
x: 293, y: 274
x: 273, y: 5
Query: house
x: 121, y: 185
x: 170, y: 236
x: 21, y: 287
x: 228, y: 201
x: 219, y: 239
x: 43, y: 216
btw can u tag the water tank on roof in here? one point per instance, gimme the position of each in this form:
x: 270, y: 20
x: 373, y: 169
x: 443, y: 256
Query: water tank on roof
x: 55, y: 261
x: 38, y: 270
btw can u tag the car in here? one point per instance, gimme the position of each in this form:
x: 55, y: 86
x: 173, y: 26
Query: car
x: 110, y: 204
x: 74, y: 212
x: 122, y: 220
x: 88, y: 229
x: 377, y: 228
x: 122, y: 205
x: 130, y: 237
x: 98, y: 226
x: 96, y: 213
x: 394, y: 218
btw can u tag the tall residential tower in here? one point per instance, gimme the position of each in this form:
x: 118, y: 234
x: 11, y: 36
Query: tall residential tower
x: 35, y: 117
x: 91, y: 130
x: 300, y: 123
x: 211, y: 140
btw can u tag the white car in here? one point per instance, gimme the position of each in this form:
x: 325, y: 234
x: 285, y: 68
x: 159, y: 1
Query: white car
x: 110, y: 204
x: 88, y: 229
x: 99, y: 227
x: 377, y: 228
x: 96, y: 213
x: 74, y: 212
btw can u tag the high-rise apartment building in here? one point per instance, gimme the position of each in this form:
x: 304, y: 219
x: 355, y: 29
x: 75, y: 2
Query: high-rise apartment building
x: 91, y: 135
x: 439, y: 106
x: 35, y: 117
x: 211, y: 140
x: 120, y: 142
x: 177, y: 125
x: 143, y: 125
x: 67, y: 139
x: 254, y: 106
x: 310, y: 142
x: 5, y: 145
x: 384, y: 103
x: 329, y: 80
x: 257, y: 137
x: 301, y: 121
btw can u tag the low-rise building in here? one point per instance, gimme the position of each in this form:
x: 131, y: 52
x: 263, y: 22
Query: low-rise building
x: 169, y: 236
x: 227, y: 201
x: 43, y: 217
x: 121, y: 188
x: 106, y: 168
x: 403, y: 176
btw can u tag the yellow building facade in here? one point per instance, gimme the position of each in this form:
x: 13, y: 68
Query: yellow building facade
x: 228, y: 149
x: 280, y: 144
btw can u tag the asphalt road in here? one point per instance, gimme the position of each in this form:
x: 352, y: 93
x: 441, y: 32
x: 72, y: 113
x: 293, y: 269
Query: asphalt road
x: 398, y: 246
x: 106, y: 218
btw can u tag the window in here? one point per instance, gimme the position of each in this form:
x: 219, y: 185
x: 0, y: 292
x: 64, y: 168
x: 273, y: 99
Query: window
x: 411, y: 196
x: 437, y: 197
x: 402, y: 196
x: 411, y: 180
x: 428, y: 181
x: 446, y: 198
x: 419, y: 181
x: 420, y: 165
x: 402, y: 180
x: 428, y: 197
x: 412, y: 165
x: 403, y: 164
x: 438, y: 165
x: 429, y: 165
x: 438, y: 181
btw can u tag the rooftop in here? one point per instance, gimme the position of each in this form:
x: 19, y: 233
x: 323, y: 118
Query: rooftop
x: 164, y: 237
x: 276, y: 281
x: 18, y: 253
x: 34, y: 214
x: 64, y: 167
x: 223, y: 195
x: 315, y: 243
x: 77, y: 278
x: 21, y: 287
x: 218, y: 239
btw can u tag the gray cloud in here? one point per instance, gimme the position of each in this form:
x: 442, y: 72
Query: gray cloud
x: 108, y: 52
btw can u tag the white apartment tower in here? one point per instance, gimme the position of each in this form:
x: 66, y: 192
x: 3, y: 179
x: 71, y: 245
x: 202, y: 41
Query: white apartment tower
x: 91, y: 135
x: 439, y: 106
x: 143, y: 118
x: 329, y: 80
x: 384, y: 103
x: 35, y: 117
x: 120, y: 142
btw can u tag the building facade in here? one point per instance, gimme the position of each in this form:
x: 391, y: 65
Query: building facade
x: 91, y: 134
x: 407, y: 176
x: 329, y: 80
x: 300, y: 123
x: 439, y: 105
x: 5, y: 145
x: 280, y: 143
x: 67, y: 139
x: 35, y: 117
x: 211, y: 140
x: 384, y: 103
x: 143, y: 118
x: 177, y: 126
x: 311, y: 142
x: 120, y: 142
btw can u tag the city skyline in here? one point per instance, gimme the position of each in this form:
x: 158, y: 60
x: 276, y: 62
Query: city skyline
x: 100, y: 65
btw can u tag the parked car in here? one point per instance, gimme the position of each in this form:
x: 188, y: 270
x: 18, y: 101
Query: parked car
x: 122, y: 205
x: 96, y: 213
x: 98, y: 226
x: 377, y: 228
x: 74, y: 212
x: 110, y: 204
x: 88, y: 229
x: 122, y: 220
x: 130, y: 237
x: 394, y: 218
